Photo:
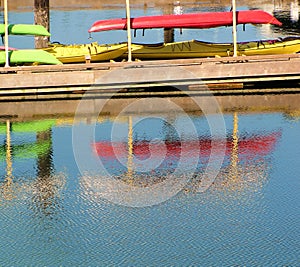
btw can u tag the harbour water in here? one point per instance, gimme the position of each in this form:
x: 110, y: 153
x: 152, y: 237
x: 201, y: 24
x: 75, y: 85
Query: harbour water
x: 149, y: 182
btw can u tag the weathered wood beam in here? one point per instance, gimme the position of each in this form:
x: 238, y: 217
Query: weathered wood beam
x: 168, y: 33
x: 214, y: 73
x: 42, y: 17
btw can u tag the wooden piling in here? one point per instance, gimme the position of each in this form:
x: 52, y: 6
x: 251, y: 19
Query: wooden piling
x: 42, y: 17
x: 168, y: 33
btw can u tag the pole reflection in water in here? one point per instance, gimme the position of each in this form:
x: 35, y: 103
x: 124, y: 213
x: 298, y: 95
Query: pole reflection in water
x: 8, y: 154
x: 235, y: 151
x: 7, y: 189
x: 130, y: 146
x: 294, y: 11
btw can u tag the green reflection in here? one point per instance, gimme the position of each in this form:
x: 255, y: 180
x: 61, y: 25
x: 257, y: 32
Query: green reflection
x: 28, y: 126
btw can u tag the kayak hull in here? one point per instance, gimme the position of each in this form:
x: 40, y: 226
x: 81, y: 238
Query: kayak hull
x: 189, y: 20
x: 195, y: 49
x: 28, y: 56
x: 24, y: 29
x: 82, y: 52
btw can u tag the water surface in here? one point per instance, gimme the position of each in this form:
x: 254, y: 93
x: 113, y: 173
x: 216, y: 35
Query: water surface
x: 55, y: 213
x: 141, y: 193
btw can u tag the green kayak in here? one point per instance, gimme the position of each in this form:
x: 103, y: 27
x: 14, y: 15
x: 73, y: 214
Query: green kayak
x: 24, y: 29
x: 29, y: 56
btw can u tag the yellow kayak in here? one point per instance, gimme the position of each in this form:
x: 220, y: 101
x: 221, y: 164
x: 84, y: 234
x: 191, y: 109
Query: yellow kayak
x: 194, y: 49
x: 82, y: 52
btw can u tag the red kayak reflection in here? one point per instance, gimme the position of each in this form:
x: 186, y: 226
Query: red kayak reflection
x: 247, y: 147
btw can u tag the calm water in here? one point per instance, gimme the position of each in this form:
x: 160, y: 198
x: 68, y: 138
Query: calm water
x: 71, y: 27
x: 160, y: 189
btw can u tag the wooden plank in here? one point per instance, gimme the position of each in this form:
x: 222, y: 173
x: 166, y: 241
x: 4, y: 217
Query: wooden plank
x: 245, y: 69
x: 39, y: 80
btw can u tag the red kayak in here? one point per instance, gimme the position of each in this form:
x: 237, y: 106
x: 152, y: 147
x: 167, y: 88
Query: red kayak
x: 192, y: 20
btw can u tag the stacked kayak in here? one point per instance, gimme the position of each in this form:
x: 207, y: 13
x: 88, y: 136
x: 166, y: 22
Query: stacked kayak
x: 24, y: 29
x: 195, y: 48
x: 26, y: 56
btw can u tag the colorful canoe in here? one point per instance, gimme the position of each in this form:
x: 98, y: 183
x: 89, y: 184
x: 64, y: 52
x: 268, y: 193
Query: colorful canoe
x: 24, y: 29
x: 191, y: 20
x: 194, y: 49
x: 29, y: 56
x: 79, y: 53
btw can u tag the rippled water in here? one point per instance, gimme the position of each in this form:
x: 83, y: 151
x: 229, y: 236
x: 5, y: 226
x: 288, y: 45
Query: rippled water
x: 52, y: 212
x: 143, y: 190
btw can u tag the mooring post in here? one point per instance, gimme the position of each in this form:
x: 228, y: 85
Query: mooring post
x: 168, y: 33
x: 41, y: 17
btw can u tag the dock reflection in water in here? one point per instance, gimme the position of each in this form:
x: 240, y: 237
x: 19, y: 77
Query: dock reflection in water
x: 249, y: 215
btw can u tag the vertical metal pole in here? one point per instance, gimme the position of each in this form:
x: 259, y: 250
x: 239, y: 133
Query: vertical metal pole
x: 6, y: 33
x: 234, y: 35
x: 128, y: 30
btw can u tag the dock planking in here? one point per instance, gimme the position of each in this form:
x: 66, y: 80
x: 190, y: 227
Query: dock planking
x: 203, y: 74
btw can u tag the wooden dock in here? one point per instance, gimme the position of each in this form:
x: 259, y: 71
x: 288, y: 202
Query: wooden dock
x: 226, y: 75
